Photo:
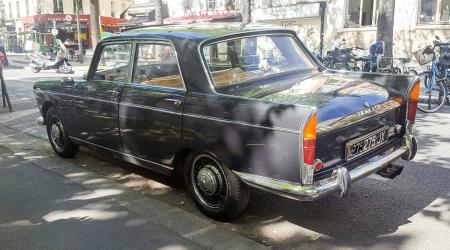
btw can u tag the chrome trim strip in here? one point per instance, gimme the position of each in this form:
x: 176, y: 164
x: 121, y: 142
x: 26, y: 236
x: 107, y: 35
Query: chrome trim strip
x: 81, y: 97
x: 150, y: 108
x: 322, y: 187
x: 122, y: 153
x: 241, y: 123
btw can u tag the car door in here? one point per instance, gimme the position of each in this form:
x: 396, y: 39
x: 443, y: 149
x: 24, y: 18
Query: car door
x: 150, y: 109
x: 97, y: 104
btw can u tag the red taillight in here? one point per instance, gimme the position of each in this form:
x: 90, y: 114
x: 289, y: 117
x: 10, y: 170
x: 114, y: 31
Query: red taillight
x: 413, y: 100
x: 309, y: 141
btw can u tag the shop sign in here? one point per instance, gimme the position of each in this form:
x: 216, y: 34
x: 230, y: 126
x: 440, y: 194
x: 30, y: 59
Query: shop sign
x: 298, y: 11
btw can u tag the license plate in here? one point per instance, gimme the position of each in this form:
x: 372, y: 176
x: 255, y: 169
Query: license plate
x: 361, y: 145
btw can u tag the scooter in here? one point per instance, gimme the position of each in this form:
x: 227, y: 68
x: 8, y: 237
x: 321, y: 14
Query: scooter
x: 61, y: 63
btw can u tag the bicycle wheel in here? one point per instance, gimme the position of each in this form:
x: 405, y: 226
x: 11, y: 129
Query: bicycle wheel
x: 432, y: 99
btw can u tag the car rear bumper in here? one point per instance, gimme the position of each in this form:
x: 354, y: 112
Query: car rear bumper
x: 340, y: 179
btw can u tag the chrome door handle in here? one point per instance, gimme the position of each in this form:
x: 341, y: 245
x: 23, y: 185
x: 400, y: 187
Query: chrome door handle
x: 174, y: 101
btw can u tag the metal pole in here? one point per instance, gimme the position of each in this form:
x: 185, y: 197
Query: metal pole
x: 5, y: 95
x: 322, y: 7
x: 80, y: 45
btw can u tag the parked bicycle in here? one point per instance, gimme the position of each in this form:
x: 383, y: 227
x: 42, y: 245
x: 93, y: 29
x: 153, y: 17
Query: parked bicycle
x: 392, y: 65
x: 434, y: 90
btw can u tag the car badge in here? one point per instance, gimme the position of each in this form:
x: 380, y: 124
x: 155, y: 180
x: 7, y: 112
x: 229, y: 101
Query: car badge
x: 366, y: 104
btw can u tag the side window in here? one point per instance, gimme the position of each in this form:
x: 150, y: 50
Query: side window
x: 113, y: 64
x: 156, y: 65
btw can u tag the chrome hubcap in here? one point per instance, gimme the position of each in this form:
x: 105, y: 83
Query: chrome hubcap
x: 56, y: 132
x: 209, y: 180
x: 57, y: 135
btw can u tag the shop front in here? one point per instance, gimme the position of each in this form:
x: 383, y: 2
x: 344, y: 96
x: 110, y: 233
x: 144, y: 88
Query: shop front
x: 41, y: 27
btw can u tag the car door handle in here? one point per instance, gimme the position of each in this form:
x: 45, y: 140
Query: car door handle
x: 78, y: 102
x: 174, y: 101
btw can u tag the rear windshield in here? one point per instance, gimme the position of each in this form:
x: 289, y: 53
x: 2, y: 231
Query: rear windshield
x: 235, y: 61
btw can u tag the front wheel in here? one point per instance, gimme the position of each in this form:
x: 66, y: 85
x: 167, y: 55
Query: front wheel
x: 215, y: 189
x: 35, y: 68
x: 57, y: 135
x: 432, y: 95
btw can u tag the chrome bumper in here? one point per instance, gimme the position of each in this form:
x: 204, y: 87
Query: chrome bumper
x: 340, y: 179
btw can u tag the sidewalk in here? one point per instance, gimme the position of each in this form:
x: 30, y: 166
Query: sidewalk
x: 51, y: 203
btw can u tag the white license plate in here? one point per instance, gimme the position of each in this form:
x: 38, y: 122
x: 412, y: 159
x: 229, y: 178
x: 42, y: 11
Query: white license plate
x: 366, y: 143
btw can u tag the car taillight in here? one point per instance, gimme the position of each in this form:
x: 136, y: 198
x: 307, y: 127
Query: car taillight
x: 309, y: 141
x: 413, y: 100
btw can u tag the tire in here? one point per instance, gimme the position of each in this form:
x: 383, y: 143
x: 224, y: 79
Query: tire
x: 65, y: 68
x: 36, y: 69
x: 432, y: 101
x: 60, y: 141
x: 222, y: 196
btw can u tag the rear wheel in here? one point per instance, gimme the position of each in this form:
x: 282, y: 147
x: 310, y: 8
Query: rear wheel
x: 432, y: 98
x: 57, y: 135
x: 215, y: 189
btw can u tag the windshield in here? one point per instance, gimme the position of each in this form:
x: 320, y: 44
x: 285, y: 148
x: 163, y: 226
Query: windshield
x: 234, y: 61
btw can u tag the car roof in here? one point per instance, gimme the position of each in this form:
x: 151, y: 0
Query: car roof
x: 193, y: 32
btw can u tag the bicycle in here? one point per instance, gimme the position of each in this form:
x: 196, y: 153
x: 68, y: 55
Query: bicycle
x: 434, y: 91
x: 387, y: 65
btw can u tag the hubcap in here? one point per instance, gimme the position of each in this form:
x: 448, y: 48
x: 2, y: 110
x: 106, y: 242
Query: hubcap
x: 56, y: 132
x: 208, y: 181
x: 57, y: 135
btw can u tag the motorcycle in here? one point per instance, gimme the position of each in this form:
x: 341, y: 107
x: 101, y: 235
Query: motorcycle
x: 61, y: 62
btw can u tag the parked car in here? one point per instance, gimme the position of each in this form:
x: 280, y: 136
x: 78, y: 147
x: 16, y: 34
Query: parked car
x: 230, y: 108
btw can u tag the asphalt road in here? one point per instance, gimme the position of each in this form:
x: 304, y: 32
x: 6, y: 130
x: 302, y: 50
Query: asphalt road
x: 409, y: 212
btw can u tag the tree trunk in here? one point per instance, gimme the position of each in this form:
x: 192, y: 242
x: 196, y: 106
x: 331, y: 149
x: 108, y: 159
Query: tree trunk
x: 158, y: 12
x: 246, y: 11
x: 95, y: 26
x: 385, y: 25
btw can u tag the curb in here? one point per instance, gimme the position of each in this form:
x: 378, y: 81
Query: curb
x: 192, y: 227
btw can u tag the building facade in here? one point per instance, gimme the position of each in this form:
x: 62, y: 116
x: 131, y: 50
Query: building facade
x: 33, y: 20
x: 416, y: 22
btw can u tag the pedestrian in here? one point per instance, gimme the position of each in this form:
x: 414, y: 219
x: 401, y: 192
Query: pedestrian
x: 3, y: 57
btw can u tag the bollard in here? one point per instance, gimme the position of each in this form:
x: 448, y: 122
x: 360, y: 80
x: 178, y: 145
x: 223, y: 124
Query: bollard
x: 5, y: 96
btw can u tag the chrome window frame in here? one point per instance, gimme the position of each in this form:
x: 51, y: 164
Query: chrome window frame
x: 97, y: 55
x: 168, y: 42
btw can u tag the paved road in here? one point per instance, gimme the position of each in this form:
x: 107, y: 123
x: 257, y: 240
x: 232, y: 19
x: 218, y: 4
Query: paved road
x: 411, y: 211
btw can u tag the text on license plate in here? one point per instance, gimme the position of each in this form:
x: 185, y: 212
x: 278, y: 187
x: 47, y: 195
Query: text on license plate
x: 366, y: 143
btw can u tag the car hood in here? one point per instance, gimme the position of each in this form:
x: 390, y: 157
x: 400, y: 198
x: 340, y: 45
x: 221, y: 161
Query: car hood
x: 335, y: 97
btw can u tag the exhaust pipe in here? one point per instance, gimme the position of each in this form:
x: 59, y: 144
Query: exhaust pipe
x: 390, y: 171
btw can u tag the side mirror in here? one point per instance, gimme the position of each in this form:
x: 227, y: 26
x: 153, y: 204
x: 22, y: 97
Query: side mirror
x: 84, y: 77
x: 437, y: 37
